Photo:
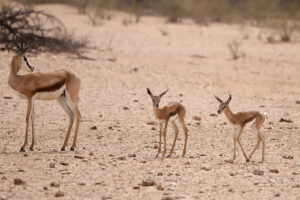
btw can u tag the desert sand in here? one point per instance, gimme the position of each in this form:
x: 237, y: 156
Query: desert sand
x: 191, y: 60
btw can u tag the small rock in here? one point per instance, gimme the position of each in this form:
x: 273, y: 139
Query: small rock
x: 187, y: 163
x: 136, y: 187
x: 91, y: 153
x: 167, y: 198
x: 296, y: 186
x: 288, y: 157
x: 155, y: 146
x: 285, y: 120
x: 298, y: 102
x: 148, y: 182
x: 45, y: 188
x: 153, y: 128
x: 297, y: 163
x: 64, y: 163
x: 82, y: 184
x: 213, y: 115
x: 59, y: 194
x: 18, y: 181
x: 206, y: 167
x: 7, y: 97
x: 122, y: 158
x: 174, y: 184
x: 52, y: 165
x: 54, y: 184
x: 135, y: 100
x: 152, y: 123
x: 125, y: 108
x: 93, y: 128
x: 258, y: 172
x: 3, y: 178
x: 159, y: 174
x: 112, y: 59
x: 78, y: 156
x: 160, y: 188
x: 132, y: 155
x: 85, y: 160
x: 196, y: 118
x: 230, y: 190
x: 277, y: 195
x: 274, y: 171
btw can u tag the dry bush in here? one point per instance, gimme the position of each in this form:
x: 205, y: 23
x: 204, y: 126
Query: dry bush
x: 283, y: 27
x: 43, y: 32
x: 234, y: 49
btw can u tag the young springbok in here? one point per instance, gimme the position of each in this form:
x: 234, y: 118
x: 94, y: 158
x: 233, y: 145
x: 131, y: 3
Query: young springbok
x: 61, y: 85
x: 239, y: 120
x: 171, y: 111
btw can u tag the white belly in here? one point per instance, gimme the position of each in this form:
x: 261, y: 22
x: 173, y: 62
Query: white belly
x: 50, y: 95
x: 22, y: 96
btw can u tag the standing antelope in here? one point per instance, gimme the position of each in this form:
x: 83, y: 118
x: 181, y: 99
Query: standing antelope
x: 61, y: 85
x: 171, y: 111
x: 239, y: 120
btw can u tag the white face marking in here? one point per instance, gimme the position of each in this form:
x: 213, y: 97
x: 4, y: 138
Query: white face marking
x: 25, y: 65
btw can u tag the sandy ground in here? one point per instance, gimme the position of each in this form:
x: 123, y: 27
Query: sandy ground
x: 194, y: 63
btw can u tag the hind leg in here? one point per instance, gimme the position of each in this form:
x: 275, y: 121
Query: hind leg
x: 262, y: 137
x: 257, y: 143
x: 32, y: 127
x: 63, y: 102
x: 175, y: 137
x: 185, y: 135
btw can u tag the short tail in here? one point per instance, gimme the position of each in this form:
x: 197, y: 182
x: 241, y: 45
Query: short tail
x: 266, y: 115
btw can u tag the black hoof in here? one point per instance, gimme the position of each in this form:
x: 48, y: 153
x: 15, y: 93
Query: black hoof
x: 62, y: 149
x: 72, y: 148
x: 31, y: 148
x: 247, y: 160
x: 22, y: 150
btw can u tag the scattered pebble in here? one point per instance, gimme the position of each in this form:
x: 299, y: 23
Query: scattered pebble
x: 122, y: 158
x: 54, y: 184
x: 277, y: 195
x: 285, y: 120
x: 206, y: 167
x: 135, y: 100
x: 230, y: 190
x: 78, y: 156
x: 196, y: 118
x: 258, y: 172
x: 112, y: 59
x: 174, y: 184
x: 159, y: 174
x: 59, y: 194
x: 132, y: 155
x: 288, y: 157
x: 125, y: 108
x: 155, y: 146
x: 148, y: 182
x: 298, y: 102
x: 296, y: 186
x: 93, y: 128
x: 297, y: 163
x: 136, y: 187
x: 18, y: 181
x: 91, y: 153
x: 152, y: 123
x: 160, y: 188
x: 213, y: 115
x: 274, y: 171
x: 167, y: 198
x: 64, y: 163
x: 7, y: 97
x: 153, y: 128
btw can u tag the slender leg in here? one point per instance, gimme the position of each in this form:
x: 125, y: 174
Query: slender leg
x: 257, y: 143
x: 160, y: 134
x: 32, y: 126
x: 239, y: 142
x: 262, y: 137
x: 27, y: 122
x: 175, y: 138
x: 63, y: 102
x: 234, y: 143
x: 185, y: 136
x: 165, y: 137
x: 78, y: 117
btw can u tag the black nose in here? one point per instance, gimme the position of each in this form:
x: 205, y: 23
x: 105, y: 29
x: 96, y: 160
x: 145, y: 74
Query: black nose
x: 219, y: 112
x: 156, y: 105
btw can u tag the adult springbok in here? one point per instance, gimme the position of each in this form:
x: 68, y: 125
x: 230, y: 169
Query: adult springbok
x: 239, y: 120
x: 171, y: 112
x: 61, y: 85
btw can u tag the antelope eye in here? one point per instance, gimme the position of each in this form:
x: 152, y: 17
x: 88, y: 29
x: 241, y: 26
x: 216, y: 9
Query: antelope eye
x: 224, y: 107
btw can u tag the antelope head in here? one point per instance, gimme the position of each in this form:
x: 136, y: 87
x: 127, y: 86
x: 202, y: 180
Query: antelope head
x: 156, y: 99
x: 20, y: 60
x: 223, y: 104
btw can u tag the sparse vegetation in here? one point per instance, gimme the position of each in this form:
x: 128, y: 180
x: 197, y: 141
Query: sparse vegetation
x: 43, y: 32
x: 234, y: 49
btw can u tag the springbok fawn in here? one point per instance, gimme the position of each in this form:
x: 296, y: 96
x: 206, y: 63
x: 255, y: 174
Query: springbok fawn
x: 171, y: 111
x: 239, y: 120
x: 61, y: 85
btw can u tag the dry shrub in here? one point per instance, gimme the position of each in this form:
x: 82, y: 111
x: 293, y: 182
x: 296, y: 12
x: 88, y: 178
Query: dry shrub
x: 43, y: 32
x: 234, y: 49
x: 283, y: 27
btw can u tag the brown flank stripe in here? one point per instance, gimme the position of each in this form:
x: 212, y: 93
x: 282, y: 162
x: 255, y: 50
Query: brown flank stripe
x: 52, y: 87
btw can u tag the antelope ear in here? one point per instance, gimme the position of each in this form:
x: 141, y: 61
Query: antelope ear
x: 162, y: 94
x: 218, y: 99
x: 229, y: 99
x: 149, y: 92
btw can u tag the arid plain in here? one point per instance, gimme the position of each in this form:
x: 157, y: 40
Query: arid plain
x: 118, y: 134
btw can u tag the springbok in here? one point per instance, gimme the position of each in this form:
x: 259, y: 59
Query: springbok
x: 61, y: 85
x: 239, y: 120
x: 171, y: 111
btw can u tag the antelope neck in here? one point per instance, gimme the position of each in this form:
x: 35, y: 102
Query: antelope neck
x: 230, y: 116
x: 156, y: 111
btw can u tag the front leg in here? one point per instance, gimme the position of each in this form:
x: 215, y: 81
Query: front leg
x: 235, y: 132
x: 27, y: 122
x: 165, y: 137
x: 32, y: 124
x: 160, y: 133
